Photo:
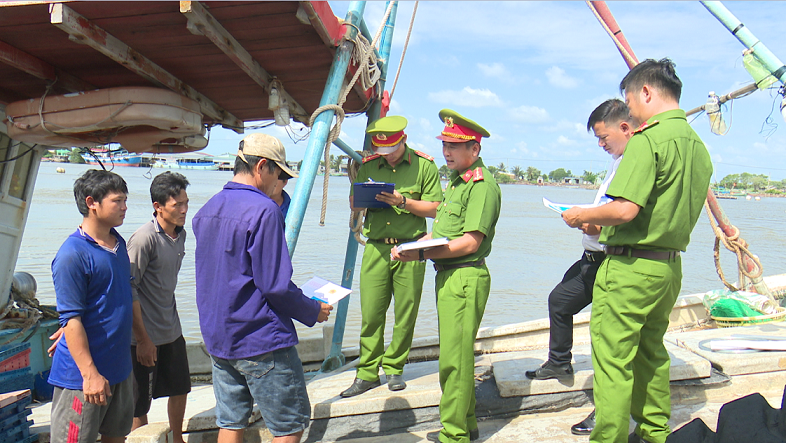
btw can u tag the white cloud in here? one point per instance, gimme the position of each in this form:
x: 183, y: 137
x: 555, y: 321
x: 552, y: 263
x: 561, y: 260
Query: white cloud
x: 395, y: 106
x: 495, y: 70
x: 557, y: 77
x: 425, y: 124
x: 564, y: 141
x: 474, y: 98
x: 529, y: 114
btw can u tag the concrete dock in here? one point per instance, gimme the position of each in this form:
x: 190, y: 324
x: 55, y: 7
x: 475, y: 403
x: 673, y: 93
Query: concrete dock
x: 511, y: 407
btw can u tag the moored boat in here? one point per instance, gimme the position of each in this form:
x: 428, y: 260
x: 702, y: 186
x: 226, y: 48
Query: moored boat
x: 117, y: 158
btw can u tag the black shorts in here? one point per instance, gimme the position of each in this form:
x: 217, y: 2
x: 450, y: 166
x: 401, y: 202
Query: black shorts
x: 168, y: 378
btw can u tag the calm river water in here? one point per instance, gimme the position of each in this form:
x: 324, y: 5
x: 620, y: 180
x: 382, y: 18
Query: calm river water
x: 531, y: 251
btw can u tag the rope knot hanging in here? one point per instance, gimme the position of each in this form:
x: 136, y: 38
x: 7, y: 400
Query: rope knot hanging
x: 739, y: 247
x: 362, y: 55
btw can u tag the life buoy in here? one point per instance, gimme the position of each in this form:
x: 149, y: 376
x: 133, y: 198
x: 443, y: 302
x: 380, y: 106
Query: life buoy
x: 141, y: 119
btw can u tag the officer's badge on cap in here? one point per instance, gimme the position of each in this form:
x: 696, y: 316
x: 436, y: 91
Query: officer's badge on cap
x: 386, y: 133
x: 459, y: 129
x: 266, y: 146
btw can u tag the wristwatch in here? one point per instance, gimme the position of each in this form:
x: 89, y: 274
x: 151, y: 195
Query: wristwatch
x: 421, y: 256
x: 403, y: 203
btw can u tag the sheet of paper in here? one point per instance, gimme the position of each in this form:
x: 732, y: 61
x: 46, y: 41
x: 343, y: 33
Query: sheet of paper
x: 559, y: 208
x: 761, y: 345
x: 425, y: 244
x: 324, y: 291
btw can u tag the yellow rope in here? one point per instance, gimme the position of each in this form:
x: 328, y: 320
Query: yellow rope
x: 736, y: 245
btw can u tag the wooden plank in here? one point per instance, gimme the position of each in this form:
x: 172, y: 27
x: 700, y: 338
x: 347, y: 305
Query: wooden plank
x: 40, y: 69
x: 217, y: 34
x: 83, y: 31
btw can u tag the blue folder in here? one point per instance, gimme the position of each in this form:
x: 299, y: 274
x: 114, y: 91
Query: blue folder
x: 365, y: 193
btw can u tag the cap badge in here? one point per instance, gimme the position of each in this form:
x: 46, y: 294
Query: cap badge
x: 449, y: 122
x: 382, y: 137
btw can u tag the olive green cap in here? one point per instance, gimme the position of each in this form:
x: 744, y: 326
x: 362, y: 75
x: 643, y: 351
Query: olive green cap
x: 387, y: 131
x: 460, y: 129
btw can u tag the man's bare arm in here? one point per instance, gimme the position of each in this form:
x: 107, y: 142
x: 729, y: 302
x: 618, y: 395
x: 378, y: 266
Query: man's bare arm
x: 94, y: 386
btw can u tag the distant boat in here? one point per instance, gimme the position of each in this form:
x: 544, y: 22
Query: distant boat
x: 118, y: 158
x: 187, y: 163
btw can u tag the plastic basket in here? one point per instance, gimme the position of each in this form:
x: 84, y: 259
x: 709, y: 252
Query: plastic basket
x: 18, y: 361
x: 16, y: 380
x: 15, y: 407
x: 9, y: 351
x: 730, y: 322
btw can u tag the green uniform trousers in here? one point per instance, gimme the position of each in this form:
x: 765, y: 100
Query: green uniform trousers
x: 632, y: 300
x: 461, y: 300
x: 379, y: 279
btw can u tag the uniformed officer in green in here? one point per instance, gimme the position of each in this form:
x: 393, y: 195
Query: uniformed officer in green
x: 417, y: 194
x: 659, y: 191
x: 467, y: 216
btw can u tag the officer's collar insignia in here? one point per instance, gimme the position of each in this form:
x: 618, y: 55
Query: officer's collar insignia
x: 645, y: 125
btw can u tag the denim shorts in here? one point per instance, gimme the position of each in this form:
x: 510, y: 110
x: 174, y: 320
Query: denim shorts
x: 274, y: 381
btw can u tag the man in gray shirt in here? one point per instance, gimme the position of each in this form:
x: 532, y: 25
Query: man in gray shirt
x: 156, y: 252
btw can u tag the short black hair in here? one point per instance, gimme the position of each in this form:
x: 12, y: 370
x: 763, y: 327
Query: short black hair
x: 609, y: 112
x: 659, y: 74
x: 96, y: 183
x: 247, y: 167
x: 166, y: 185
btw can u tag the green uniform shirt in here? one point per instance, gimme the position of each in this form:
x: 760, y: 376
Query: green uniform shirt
x: 666, y: 171
x: 416, y: 178
x: 472, y: 203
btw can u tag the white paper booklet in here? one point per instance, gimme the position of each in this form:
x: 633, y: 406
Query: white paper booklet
x: 324, y: 291
x: 559, y: 208
x: 425, y: 244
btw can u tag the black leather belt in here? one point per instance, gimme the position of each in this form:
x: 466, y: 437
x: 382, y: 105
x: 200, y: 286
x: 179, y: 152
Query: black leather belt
x: 391, y: 241
x: 438, y: 267
x: 641, y: 253
x: 594, y: 256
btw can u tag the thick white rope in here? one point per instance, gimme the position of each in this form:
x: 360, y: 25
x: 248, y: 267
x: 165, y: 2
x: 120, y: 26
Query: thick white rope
x: 404, y: 52
x: 361, y: 54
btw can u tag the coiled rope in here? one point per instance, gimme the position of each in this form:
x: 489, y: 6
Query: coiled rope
x: 736, y: 245
x: 363, y: 55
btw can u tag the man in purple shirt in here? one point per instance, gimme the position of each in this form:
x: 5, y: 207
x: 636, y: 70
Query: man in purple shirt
x: 246, y: 299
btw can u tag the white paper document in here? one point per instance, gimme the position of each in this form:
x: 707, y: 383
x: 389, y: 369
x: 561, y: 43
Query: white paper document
x: 425, y: 244
x: 736, y: 345
x: 324, y: 291
x: 559, y: 208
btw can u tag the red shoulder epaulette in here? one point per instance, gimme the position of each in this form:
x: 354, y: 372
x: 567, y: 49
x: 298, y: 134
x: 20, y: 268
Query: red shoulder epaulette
x: 424, y: 155
x: 645, y: 126
x: 478, y: 174
x: 371, y: 157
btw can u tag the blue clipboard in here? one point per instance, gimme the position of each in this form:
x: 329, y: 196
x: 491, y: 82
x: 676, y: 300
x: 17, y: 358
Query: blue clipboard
x: 365, y: 193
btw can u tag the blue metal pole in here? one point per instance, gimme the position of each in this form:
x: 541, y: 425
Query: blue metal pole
x: 347, y: 150
x: 321, y: 127
x: 335, y: 358
x: 746, y: 37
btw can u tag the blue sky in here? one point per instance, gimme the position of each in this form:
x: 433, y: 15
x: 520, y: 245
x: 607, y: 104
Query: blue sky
x: 531, y: 73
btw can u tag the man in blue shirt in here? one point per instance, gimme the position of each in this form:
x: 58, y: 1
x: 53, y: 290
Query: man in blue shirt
x: 91, y: 272
x: 247, y: 301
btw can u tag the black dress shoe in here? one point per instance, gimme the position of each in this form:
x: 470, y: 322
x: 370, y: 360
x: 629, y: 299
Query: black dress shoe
x: 550, y: 370
x: 359, y: 386
x: 585, y: 427
x: 396, y: 382
x: 474, y: 434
